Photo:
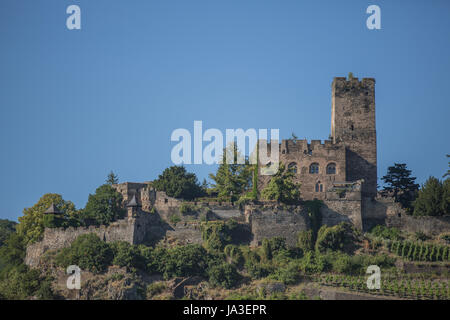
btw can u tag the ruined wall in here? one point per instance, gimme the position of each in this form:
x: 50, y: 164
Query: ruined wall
x: 427, y: 225
x: 57, y: 238
x: 277, y: 223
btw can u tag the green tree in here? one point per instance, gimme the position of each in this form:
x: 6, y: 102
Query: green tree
x: 104, y: 207
x: 448, y: 170
x: 7, y: 227
x: 445, y: 204
x: 112, y: 178
x: 223, y: 275
x: 398, y: 180
x: 31, y: 224
x: 178, y: 183
x: 88, y: 252
x: 305, y: 240
x: 282, y: 187
x: 232, y: 179
x: 429, y: 201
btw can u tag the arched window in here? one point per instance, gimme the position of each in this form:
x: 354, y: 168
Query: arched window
x: 319, y: 187
x: 331, y: 168
x: 314, y: 168
x: 292, y: 167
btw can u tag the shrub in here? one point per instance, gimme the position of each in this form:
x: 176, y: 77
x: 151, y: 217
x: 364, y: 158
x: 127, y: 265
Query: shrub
x: 338, y: 237
x: 188, y: 209
x: 289, y: 274
x: 217, y: 234
x: 235, y: 254
x: 305, y: 240
x: 223, y: 275
x: 184, y: 261
x: 154, y: 289
x: 174, y: 218
x: 88, y: 252
x: 127, y: 255
x: 386, y: 233
x: 271, y: 247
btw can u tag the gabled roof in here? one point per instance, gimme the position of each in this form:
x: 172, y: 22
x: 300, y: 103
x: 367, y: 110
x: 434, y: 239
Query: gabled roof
x: 52, y: 210
x: 133, y: 202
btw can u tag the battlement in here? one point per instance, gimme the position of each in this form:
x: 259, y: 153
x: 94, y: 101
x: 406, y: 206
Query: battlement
x: 342, y: 82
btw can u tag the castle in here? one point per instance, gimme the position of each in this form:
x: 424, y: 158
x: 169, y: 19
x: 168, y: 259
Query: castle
x: 341, y: 172
x: 351, y: 153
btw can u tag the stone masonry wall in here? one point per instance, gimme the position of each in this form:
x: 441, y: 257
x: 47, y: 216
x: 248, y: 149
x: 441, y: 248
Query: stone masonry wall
x: 277, y: 223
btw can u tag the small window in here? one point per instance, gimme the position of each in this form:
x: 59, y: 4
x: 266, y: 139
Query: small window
x: 314, y: 168
x: 292, y: 167
x: 319, y: 187
x: 331, y: 168
x: 166, y: 200
x: 352, y: 127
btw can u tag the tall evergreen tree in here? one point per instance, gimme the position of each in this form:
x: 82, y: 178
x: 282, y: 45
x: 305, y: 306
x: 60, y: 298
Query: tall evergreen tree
x: 448, y: 170
x: 429, y: 200
x: 282, y: 187
x: 232, y: 179
x: 401, y: 184
x: 112, y: 178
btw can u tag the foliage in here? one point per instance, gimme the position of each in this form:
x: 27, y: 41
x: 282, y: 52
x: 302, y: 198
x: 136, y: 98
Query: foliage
x: 224, y: 275
x: 282, y: 187
x: 17, y: 281
x: 154, y: 289
x: 31, y: 224
x: 430, y: 201
x: 305, y: 240
x: 127, y: 255
x: 88, y: 252
x: 289, y: 274
x: 217, y: 234
x: 448, y: 170
x: 103, y: 207
x: 184, y: 261
x: 7, y: 227
x: 112, y: 178
x: 398, y: 180
x: 234, y: 253
x: 338, y: 237
x: 188, y: 209
x: 232, y: 179
x: 174, y: 218
x: 271, y: 247
x: 386, y: 233
x: 176, y: 182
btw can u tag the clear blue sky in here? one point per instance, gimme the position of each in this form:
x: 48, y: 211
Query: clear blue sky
x: 76, y: 104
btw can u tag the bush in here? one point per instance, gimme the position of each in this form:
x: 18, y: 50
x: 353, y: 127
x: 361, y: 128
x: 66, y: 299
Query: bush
x: 188, y: 209
x: 271, y: 247
x: 339, y: 237
x: 174, y: 219
x: 223, y: 275
x: 305, y: 240
x: 289, y: 274
x: 127, y: 255
x: 87, y: 252
x: 217, y: 234
x: 234, y: 254
x: 386, y: 233
x: 189, y: 260
x: 154, y: 289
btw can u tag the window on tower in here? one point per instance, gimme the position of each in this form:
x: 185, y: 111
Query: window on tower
x: 314, y: 168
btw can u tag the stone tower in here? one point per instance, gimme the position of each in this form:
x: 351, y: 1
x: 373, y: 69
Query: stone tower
x: 353, y: 125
